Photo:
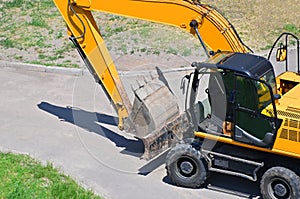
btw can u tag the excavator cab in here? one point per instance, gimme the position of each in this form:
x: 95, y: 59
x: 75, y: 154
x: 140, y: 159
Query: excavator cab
x: 241, y: 135
x: 241, y: 99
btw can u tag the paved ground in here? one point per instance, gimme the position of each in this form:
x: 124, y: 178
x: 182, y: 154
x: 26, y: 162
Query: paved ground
x: 66, y: 119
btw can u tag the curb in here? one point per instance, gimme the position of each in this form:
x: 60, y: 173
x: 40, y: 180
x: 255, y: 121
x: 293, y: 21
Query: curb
x: 76, y: 71
x: 42, y: 68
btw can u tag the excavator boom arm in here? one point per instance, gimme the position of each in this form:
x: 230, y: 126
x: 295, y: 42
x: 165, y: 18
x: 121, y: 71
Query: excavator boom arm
x: 216, y: 32
x: 86, y: 36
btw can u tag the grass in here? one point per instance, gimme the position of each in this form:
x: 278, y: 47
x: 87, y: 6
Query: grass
x: 34, y: 30
x: 13, y: 4
x: 260, y: 22
x: 28, y: 30
x: 23, y: 177
x: 37, y: 21
x: 7, y: 43
x: 292, y: 28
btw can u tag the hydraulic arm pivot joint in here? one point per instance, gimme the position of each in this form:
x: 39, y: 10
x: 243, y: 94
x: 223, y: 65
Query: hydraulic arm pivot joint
x: 81, y: 3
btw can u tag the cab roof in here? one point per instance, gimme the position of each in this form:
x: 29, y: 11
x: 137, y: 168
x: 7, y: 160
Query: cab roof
x: 246, y: 64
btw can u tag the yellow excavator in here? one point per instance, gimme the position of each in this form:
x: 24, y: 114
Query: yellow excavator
x: 154, y: 115
x: 247, y: 126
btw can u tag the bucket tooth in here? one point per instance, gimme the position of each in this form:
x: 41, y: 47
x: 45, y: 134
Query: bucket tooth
x: 159, y: 141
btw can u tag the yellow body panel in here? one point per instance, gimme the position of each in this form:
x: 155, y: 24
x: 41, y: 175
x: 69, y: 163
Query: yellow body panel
x: 228, y: 140
x: 288, y: 109
x: 287, y: 81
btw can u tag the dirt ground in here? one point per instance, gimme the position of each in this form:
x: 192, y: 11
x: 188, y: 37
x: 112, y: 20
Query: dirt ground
x: 259, y: 22
x: 134, y: 42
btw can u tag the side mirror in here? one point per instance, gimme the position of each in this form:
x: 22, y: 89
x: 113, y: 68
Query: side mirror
x: 281, y: 53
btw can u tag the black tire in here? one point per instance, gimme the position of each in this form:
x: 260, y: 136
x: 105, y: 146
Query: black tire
x: 280, y: 183
x: 185, y: 166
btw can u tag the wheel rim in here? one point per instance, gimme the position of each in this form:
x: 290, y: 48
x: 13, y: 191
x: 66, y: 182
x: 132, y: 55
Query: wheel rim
x: 279, y: 189
x: 186, y: 166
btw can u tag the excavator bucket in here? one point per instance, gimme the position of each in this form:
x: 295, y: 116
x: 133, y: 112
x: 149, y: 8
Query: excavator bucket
x: 154, y: 115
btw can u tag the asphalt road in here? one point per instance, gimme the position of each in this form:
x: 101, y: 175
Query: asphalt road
x: 67, y: 120
x: 57, y: 116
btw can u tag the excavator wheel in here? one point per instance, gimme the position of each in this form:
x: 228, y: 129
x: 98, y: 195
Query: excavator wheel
x: 280, y: 183
x: 186, y: 167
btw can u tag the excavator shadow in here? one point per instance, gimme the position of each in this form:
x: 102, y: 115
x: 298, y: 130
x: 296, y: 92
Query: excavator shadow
x: 91, y: 121
x: 227, y: 184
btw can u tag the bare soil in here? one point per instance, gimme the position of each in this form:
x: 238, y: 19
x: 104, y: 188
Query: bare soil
x: 259, y: 22
x: 134, y: 42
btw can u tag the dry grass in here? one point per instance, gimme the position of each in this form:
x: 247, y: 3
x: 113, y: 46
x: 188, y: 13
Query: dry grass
x: 259, y: 22
x: 33, y: 31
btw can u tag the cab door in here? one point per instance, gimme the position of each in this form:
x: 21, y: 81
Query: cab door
x: 255, y: 112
